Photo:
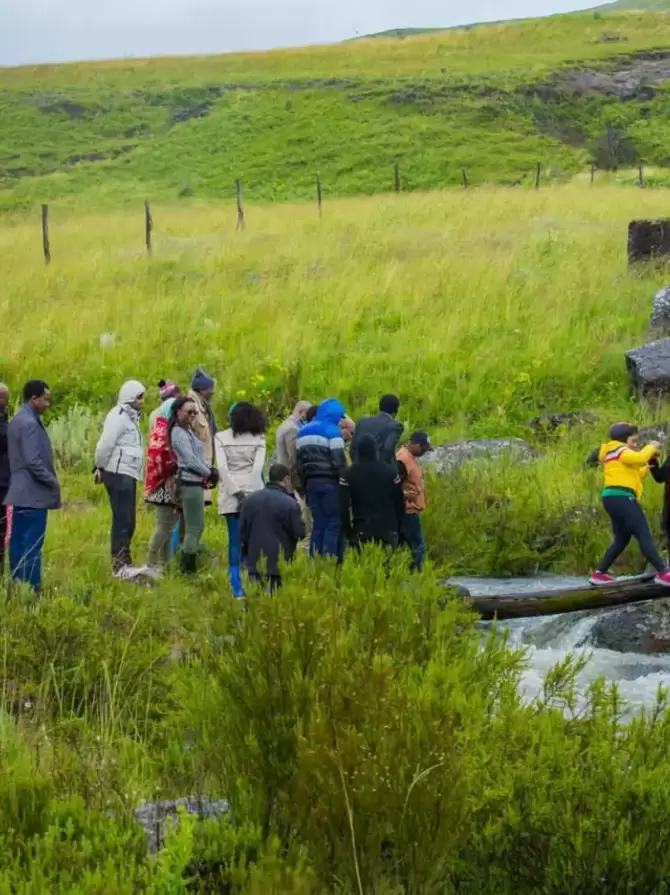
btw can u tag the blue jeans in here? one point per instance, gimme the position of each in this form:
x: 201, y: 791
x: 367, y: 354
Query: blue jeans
x: 234, y: 554
x: 323, y: 500
x: 412, y: 537
x: 29, y: 529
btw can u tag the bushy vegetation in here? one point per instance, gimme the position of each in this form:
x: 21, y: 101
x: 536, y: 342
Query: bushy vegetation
x: 495, y: 100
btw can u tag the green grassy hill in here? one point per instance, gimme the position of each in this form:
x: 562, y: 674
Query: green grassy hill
x: 495, y: 100
x: 648, y: 5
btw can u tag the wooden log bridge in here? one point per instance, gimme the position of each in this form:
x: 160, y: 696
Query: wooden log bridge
x: 574, y: 599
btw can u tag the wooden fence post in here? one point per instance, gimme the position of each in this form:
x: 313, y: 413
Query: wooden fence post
x: 640, y: 174
x: 538, y: 176
x: 45, y: 234
x: 593, y: 171
x: 396, y: 177
x: 464, y: 177
x: 148, y: 226
x: 240, y: 207
x: 319, y: 195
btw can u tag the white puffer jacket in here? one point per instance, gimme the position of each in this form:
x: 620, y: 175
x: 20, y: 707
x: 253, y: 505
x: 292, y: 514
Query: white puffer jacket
x: 240, y: 460
x: 121, y: 448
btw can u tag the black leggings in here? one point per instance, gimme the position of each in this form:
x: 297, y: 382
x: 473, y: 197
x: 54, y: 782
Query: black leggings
x: 628, y: 521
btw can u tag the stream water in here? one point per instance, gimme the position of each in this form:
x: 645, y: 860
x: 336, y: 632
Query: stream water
x: 550, y: 639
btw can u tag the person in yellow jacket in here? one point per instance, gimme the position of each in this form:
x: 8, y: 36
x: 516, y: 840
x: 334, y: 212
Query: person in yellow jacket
x: 626, y: 468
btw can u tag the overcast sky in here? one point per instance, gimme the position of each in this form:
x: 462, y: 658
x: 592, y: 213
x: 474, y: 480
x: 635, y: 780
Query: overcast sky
x: 63, y: 30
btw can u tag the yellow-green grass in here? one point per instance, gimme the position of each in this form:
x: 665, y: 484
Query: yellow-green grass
x: 481, y: 309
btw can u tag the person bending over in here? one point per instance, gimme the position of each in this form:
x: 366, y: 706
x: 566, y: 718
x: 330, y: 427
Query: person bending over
x: 626, y: 468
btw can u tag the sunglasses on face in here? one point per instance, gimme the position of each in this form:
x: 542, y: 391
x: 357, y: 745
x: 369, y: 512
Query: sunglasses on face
x: 191, y: 413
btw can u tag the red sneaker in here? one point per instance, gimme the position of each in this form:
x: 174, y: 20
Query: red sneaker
x: 599, y: 579
x: 663, y: 578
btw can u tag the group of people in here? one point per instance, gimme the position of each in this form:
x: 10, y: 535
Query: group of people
x: 330, y: 481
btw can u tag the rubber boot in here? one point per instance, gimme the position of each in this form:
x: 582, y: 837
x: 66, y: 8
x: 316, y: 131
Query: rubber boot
x: 188, y: 563
x: 235, y: 576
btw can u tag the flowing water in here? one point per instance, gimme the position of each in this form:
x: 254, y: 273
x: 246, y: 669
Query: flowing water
x: 550, y: 639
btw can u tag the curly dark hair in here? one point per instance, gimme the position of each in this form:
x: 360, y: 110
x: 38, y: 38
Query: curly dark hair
x: 247, y: 418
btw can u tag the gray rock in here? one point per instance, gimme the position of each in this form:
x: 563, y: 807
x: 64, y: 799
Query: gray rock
x: 153, y: 816
x: 649, y: 368
x: 446, y: 458
x: 640, y: 628
x: 659, y: 322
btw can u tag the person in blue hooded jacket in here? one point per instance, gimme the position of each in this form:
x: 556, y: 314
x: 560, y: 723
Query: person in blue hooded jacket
x: 320, y: 463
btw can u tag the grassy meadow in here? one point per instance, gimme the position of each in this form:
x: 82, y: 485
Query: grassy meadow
x: 494, y: 99
x: 368, y: 741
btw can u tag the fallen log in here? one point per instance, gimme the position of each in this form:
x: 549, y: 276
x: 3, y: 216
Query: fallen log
x: 574, y: 599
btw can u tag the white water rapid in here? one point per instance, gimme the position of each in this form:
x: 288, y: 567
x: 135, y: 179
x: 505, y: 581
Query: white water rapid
x: 550, y: 639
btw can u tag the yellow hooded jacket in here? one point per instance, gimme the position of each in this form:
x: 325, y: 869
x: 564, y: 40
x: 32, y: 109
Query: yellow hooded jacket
x: 625, y: 468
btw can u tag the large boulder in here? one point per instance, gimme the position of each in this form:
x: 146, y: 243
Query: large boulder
x: 446, y: 458
x: 659, y: 322
x: 648, y: 240
x: 649, y: 368
x: 640, y: 628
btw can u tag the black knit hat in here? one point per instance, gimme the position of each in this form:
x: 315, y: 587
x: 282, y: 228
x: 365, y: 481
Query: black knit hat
x: 623, y: 431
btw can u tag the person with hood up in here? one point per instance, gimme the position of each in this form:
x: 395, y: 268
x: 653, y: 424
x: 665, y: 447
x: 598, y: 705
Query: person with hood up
x: 119, y: 466
x: 240, y: 455
x: 321, y: 463
x: 626, y: 468
x: 4, y: 470
x: 204, y: 424
x: 371, y: 500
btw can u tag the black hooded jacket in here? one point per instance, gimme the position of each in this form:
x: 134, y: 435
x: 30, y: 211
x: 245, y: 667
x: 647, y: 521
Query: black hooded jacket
x: 371, y: 501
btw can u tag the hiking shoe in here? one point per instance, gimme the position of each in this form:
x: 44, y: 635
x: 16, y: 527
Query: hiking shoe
x: 663, y: 578
x: 600, y: 579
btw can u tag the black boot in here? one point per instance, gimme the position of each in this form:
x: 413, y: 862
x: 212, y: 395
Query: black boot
x: 188, y: 563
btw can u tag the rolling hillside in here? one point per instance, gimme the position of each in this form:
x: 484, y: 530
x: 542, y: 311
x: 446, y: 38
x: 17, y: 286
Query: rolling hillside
x: 495, y: 100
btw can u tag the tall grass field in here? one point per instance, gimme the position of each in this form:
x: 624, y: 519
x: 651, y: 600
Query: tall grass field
x: 367, y: 736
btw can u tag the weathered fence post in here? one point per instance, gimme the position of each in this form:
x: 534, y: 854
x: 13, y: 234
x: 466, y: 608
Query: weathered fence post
x: 319, y: 195
x: 45, y: 234
x: 396, y: 177
x: 240, y: 208
x: 640, y: 175
x: 464, y: 177
x: 593, y: 171
x: 538, y: 175
x: 148, y: 226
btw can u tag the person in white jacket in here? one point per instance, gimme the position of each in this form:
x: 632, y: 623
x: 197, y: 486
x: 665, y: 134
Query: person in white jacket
x: 240, y: 455
x: 119, y: 465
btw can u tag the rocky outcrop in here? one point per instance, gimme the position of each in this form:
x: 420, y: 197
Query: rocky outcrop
x: 659, y: 322
x: 641, y: 628
x: 649, y: 368
x: 446, y: 458
x: 153, y: 817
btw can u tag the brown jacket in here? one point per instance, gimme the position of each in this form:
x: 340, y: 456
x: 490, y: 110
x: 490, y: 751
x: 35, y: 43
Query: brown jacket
x: 202, y: 428
x: 412, y: 486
